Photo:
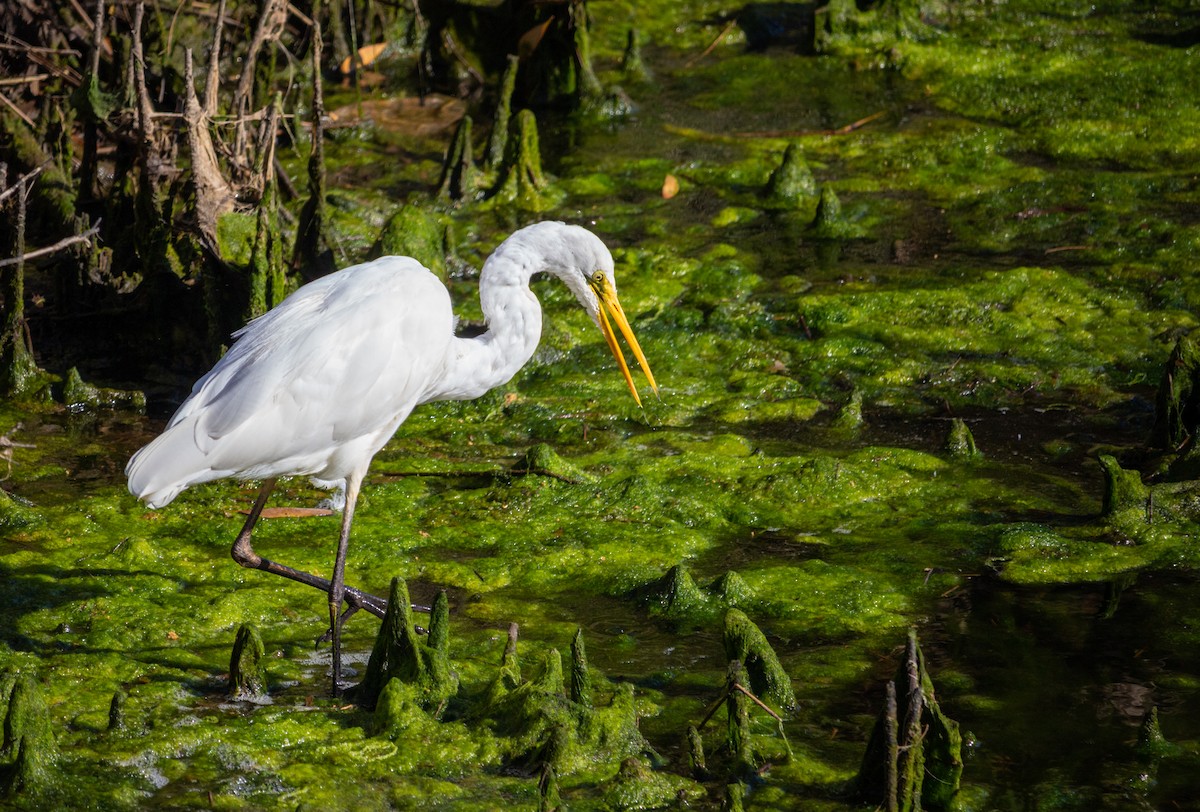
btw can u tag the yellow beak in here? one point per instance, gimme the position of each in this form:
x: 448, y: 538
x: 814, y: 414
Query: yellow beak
x: 610, y: 308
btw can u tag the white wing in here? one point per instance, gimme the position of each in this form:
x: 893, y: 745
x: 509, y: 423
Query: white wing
x: 314, y: 387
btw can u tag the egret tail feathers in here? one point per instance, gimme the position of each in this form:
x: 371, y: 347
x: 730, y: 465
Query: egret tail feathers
x: 163, y: 469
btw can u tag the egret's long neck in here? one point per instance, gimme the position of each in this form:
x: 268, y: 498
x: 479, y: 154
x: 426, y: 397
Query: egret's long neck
x: 514, y: 321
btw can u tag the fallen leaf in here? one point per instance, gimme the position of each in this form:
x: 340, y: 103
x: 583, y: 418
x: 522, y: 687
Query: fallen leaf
x: 670, y: 187
x: 293, y: 512
x: 366, y: 55
x: 530, y: 40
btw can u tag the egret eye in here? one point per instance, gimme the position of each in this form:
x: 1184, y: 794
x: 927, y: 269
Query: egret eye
x: 598, y: 277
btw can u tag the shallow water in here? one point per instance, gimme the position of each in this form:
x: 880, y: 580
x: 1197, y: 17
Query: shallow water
x: 1050, y: 631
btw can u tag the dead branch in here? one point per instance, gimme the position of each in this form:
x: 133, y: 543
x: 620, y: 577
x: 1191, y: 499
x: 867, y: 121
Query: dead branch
x: 849, y: 128
x: 16, y: 110
x: 24, y: 80
x: 21, y: 181
x: 214, y: 196
x: 712, y: 45
x: 271, y: 22
x: 65, y: 242
x: 211, y: 84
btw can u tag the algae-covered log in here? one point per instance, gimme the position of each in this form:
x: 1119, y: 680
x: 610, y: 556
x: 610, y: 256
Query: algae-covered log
x: 913, y: 760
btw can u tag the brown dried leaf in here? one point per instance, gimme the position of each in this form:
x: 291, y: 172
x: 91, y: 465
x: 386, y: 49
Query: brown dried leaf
x: 366, y: 55
x: 294, y: 512
x: 530, y: 40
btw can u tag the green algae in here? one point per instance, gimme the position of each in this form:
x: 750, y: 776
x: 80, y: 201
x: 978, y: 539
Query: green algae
x: 832, y: 542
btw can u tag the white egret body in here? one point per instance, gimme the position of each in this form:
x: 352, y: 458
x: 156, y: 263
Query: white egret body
x: 319, y: 384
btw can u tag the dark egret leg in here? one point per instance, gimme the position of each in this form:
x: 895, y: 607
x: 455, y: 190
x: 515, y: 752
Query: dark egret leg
x: 337, y: 586
x: 244, y: 554
x: 355, y: 599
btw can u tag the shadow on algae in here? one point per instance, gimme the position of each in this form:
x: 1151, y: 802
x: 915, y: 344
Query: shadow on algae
x: 970, y: 232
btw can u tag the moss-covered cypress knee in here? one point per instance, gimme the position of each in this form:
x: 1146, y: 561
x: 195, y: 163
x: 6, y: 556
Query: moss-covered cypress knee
x: 850, y: 418
x: 247, y: 666
x: 738, y: 733
x: 914, y: 757
x: 116, y: 711
x: 439, y: 622
x: 416, y: 232
x: 498, y: 139
x: 460, y: 179
x: 632, y: 66
x: 1123, y: 489
x: 522, y: 182
x: 829, y: 220
x: 675, y: 594
x: 695, y: 749
x: 1177, y: 406
x: 792, y: 183
x: 79, y: 395
x: 960, y: 443
x: 731, y: 590
x: 732, y: 801
x: 28, y: 752
x: 398, y: 653
x: 745, y: 642
x: 548, y: 798
x: 581, y: 678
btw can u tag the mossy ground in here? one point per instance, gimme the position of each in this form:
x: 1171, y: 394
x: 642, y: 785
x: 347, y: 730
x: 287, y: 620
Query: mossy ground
x: 1019, y: 249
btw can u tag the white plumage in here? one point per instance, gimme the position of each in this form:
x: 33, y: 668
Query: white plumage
x: 318, y: 385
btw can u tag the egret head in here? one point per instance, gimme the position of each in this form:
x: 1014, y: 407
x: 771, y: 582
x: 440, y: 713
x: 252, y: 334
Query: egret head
x: 586, y: 265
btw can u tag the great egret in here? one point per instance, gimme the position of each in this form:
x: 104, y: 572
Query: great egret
x: 319, y: 384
